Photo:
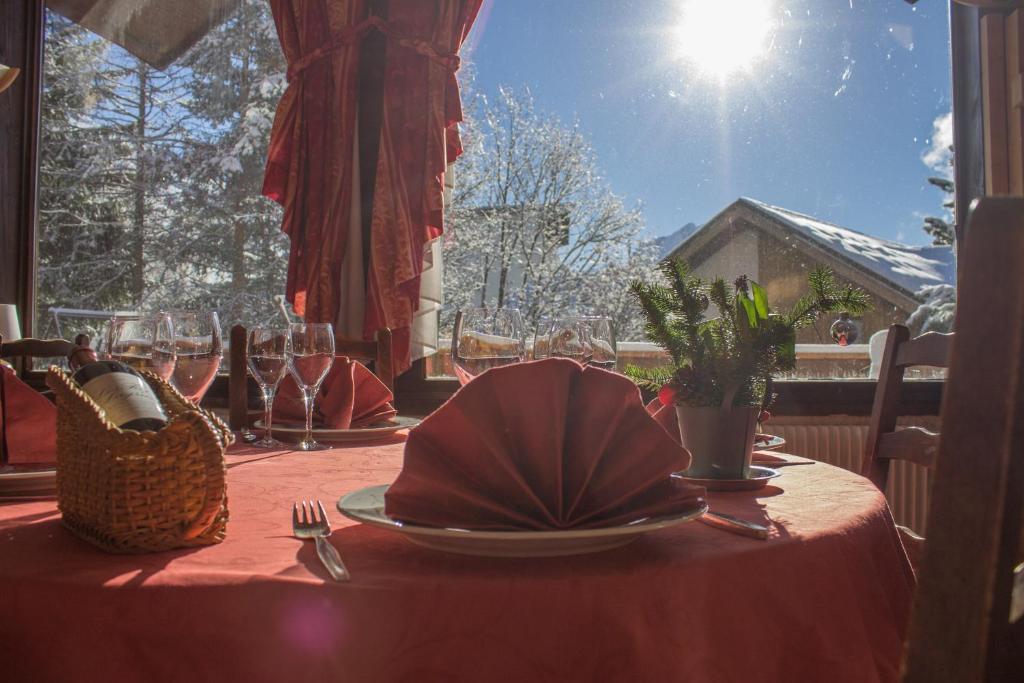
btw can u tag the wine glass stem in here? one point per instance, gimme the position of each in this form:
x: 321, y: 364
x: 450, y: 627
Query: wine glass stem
x: 307, y: 396
x: 268, y: 410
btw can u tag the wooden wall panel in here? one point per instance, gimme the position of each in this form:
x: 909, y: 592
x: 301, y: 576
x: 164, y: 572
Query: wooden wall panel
x: 1015, y: 100
x: 993, y: 84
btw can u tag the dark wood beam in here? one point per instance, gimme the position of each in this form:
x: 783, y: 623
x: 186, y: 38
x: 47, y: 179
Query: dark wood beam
x: 21, y: 45
x: 968, y: 128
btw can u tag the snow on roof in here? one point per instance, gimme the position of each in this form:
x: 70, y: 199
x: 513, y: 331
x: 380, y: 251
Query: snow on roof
x: 907, y: 267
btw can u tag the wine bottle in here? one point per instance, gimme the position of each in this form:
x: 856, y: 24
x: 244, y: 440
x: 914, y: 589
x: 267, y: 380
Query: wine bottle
x: 123, y: 394
x: 79, y: 356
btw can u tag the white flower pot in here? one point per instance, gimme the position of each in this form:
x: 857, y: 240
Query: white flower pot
x: 720, y: 441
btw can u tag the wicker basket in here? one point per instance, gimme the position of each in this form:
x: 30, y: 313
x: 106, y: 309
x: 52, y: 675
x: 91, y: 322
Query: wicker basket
x: 135, y: 492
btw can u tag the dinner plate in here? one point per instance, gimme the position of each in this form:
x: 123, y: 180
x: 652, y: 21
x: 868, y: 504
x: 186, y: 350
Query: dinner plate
x: 289, y: 431
x: 23, y: 481
x: 367, y: 506
x: 758, y: 478
x: 773, y: 444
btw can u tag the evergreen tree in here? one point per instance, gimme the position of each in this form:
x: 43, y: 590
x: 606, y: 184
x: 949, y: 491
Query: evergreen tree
x: 82, y: 246
x: 940, y: 229
x: 231, y: 235
x: 150, y: 180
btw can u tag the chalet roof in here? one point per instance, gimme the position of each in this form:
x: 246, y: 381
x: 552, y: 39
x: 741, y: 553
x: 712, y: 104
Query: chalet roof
x: 905, y: 267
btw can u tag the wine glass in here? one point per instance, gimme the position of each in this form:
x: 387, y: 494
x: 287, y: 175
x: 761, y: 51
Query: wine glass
x: 602, y: 341
x: 145, y: 342
x: 540, y: 338
x: 266, y: 354
x: 570, y: 338
x: 198, y: 352
x: 484, y: 339
x: 310, y: 354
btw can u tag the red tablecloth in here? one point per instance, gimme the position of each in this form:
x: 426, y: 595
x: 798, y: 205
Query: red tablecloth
x: 825, y: 599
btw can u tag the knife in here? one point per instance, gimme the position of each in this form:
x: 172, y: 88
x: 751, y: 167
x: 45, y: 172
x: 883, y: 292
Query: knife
x: 720, y: 520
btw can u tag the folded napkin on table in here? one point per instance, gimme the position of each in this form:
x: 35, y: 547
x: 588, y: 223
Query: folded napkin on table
x: 542, y: 445
x: 28, y: 422
x: 350, y: 396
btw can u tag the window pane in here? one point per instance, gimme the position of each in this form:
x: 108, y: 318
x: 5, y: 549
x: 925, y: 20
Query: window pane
x: 150, y: 180
x: 761, y: 138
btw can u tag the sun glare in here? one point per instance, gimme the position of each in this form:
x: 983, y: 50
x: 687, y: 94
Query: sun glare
x: 721, y: 37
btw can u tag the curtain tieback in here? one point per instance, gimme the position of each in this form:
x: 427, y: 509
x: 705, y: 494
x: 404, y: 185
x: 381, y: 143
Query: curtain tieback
x: 358, y: 31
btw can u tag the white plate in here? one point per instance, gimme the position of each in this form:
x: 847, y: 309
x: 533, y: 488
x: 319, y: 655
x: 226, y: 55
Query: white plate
x: 367, y: 506
x: 757, y: 478
x: 22, y: 482
x: 773, y: 444
x: 380, y: 430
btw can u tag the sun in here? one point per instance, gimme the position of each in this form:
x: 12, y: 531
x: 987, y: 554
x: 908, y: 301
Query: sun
x: 720, y: 37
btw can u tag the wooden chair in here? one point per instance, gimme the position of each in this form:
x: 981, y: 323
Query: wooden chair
x: 885, y: 443
x: 40, y: 348
x: 32, y: 348
x: 966, y: 624
x: 378, y: 352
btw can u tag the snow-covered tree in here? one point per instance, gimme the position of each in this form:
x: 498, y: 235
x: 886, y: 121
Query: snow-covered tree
x: 940, y: 228
x: 151, y: 179
x: 230, y: 238
x: 83, y: 240
x: 935, y: 314
x: 939, y: 158
x: 938, y: 302
x: 533, y: 224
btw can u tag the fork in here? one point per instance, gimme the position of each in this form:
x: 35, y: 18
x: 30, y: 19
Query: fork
x: 318, y: 528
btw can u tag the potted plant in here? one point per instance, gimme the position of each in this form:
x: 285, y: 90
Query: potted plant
x: 720, y: 376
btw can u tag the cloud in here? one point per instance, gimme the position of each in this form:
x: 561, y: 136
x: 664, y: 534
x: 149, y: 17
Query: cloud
x: 937, y: 156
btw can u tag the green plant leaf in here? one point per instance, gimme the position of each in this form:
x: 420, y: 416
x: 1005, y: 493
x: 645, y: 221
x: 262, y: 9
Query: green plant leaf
x: 748, y: 305
x: 760, y: 300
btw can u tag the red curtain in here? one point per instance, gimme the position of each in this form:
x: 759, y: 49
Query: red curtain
x: 309, y: 165
x: 309, y: 169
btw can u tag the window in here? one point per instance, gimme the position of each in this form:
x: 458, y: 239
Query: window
x: 760, y: 137
x: 756, y: 137
x: 150, y: 180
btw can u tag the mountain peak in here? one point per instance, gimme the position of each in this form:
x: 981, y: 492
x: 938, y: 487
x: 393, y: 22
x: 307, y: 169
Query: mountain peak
x: 668, y: 243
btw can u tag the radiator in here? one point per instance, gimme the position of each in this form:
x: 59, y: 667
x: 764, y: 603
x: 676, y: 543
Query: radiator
x: 839, y: 441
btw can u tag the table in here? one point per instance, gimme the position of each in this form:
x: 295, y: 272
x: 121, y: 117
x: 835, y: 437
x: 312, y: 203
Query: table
x: 827, y: 597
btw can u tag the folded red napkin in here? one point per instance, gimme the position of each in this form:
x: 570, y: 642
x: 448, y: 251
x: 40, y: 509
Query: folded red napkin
x: 542, y: 445
x: 350, y: 396
x: 28, y: 422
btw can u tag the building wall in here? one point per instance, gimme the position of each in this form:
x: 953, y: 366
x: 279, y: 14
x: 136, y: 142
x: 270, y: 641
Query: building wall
x: 736, y: 252
x: 783, y: 270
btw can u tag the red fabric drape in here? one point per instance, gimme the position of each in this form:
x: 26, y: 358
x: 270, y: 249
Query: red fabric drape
x: 309, y: 168
x: 309, y: 165
x: 418, y: 139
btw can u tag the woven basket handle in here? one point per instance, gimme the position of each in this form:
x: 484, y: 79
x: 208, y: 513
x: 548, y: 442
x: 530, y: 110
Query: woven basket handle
x: 212, y: 447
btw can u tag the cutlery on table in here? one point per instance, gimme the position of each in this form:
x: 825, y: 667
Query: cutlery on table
x: 720, y: 520
x: 318, y: 528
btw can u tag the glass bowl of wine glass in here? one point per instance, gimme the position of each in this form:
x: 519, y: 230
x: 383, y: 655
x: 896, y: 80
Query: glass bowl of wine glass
x: 484, y: 338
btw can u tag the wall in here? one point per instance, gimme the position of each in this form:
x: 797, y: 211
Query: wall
x: 784, y: 269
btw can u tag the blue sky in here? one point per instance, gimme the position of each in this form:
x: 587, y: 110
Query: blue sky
x: 832, y: 120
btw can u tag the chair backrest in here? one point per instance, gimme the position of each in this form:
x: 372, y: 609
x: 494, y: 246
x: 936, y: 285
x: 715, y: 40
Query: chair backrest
x: 966, y: 626
x: 40, y: 348
x: 884, y: 442
x: 379, y: 352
